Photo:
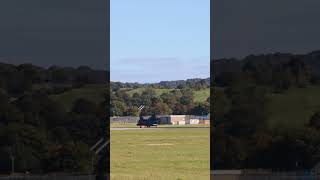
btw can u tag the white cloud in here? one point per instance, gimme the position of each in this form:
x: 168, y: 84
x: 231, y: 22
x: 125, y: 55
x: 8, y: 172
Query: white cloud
x: 159, y: 69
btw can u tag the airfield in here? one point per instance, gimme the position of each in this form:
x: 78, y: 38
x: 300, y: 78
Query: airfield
x: 168, y: 152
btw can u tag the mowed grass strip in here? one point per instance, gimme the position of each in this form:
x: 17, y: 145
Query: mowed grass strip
x: 160, y: 154
x: 134, y: 125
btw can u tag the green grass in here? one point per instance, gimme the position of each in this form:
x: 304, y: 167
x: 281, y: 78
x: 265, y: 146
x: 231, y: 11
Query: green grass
x: 202, y: 95
x: 94, y: 93
x: 120, y: 125
x: 160, y: 154
x: 131, y: 125
x: 140, y: 90
x: 294, y: 108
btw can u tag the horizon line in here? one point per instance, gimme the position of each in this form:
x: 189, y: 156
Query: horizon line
x: 155, y: 82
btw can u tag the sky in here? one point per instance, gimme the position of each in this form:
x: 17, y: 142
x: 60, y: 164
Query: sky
x: 152, y: 41
x: 54, y: 32
x: 243, y: 27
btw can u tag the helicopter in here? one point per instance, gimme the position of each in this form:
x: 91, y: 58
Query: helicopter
x: 152, y: 121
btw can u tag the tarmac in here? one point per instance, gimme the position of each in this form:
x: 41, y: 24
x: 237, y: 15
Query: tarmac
x: 123, y: 129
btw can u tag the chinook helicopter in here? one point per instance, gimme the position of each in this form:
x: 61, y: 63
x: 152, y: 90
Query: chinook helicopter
x: 152, y: 121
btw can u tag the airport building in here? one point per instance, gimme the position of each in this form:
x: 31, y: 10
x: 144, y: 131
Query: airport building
x: 172, y: 119
x: 183, y: 119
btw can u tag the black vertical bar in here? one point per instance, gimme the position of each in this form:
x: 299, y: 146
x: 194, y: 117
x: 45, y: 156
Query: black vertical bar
x: 211, y: 82
x: 103, y: 171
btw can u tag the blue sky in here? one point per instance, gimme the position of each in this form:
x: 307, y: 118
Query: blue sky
x: 155, y: 40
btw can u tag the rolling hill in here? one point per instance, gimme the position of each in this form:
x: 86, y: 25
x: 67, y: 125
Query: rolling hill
x: 312, y: 59
x: 294, y: 108
x: 199, y: 96
x: 93, y: 93
x: 96, y: 93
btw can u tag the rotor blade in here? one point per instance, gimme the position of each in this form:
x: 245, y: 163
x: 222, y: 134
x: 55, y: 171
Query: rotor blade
x: 101, y: 147
x: 95, y: 145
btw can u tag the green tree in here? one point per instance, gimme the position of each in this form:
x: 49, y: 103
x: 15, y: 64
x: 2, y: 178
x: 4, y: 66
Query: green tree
x: 118, y: 108
x: 201, y: 109
x: 162, y: 108
x: 187, y: 97
x: 315, y: 121
x: 248, y: 111
x: 84, y: 106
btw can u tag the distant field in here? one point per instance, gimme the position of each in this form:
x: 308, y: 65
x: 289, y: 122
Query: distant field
x: 199, y: 96
x: 294, y: 108
x: 202, y: 95
x: 140, y: 90
x: 160, y: 154
x: 93, y: 93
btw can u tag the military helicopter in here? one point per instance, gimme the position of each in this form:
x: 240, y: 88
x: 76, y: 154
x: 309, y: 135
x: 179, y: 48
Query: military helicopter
x: 152, y: 121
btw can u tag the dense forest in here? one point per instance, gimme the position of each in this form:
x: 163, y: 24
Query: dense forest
x: 248, y: 94
x: 167, y: 97
x: 38, y: 131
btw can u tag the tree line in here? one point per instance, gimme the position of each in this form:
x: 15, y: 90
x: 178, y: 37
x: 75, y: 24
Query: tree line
x: 176, y: 101
x: 195, y: 83
x: 240, y: 134
x: 17, y: 79
x: 40, y: 133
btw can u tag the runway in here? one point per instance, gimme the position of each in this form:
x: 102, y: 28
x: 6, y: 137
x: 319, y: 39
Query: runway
x: 133, y: 128
x: 151, y: 128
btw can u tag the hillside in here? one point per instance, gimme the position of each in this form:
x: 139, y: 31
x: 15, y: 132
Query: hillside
x: 268, y: 113
x: 201, y: 95
x: 94, y: 93
x: 294, y: 108
x: 58, y: 107
x: 158, y: 91
x: 312, y: 59
x: 198, y: 95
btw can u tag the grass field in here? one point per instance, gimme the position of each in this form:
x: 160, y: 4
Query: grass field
x: 140, y: 90
x: 93, y: 93
x: 201, y: 95
x: 160, y: 154
x: 294, y: 108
